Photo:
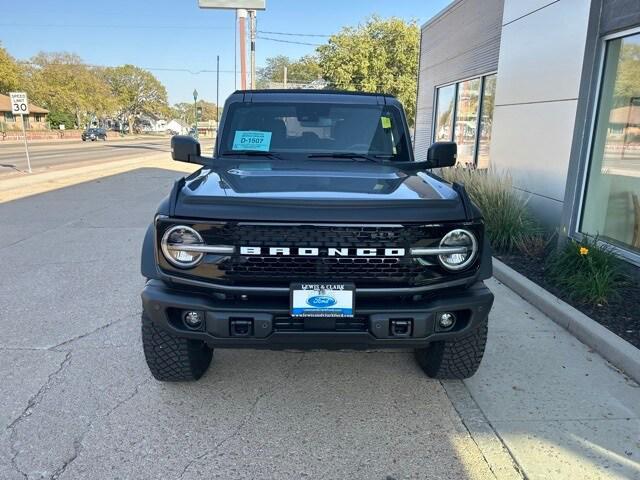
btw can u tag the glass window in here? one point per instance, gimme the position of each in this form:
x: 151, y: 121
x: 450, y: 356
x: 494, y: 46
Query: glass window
x: 467, y: 121
x: 444, y: 113
x: 612, y: 202
x: 486, y: 121
x: 315, y: 128
x: 8, y: 117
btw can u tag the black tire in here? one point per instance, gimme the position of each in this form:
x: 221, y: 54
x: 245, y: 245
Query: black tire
x: 454, y: 359
x: 171, y: 358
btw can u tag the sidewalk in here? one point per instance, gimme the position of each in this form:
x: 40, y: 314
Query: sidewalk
x: 542, y: 405
x: 560, y: 409
x: 14, y: 187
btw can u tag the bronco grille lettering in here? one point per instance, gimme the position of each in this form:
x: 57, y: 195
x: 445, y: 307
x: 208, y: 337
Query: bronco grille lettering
x: 329, y: 252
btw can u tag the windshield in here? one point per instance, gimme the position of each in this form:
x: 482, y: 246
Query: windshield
x: 303, y: 129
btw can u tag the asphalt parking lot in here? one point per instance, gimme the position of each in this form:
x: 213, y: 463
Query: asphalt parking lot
x: 77, y: 400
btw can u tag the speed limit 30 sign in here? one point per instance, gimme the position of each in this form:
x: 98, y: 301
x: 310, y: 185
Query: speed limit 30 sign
x: 20, y: 106
x: 19, y: 103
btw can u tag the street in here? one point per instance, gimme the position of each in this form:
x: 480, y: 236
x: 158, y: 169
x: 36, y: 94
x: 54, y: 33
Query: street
x: 46, y: 155
x: 77, y: 400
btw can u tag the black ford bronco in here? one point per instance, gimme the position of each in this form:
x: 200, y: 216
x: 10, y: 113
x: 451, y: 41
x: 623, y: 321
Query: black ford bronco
x: 313, y: 227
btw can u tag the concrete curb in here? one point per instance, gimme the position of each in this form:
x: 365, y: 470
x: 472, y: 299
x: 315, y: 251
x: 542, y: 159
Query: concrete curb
x: 616, y: 350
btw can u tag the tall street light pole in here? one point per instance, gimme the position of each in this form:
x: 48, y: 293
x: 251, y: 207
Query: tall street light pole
x: 242, y: 7
x: 217, y: 90
x: 195, y: 110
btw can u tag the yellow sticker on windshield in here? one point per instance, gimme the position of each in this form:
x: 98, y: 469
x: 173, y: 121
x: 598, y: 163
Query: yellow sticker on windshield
x: 386, y: 122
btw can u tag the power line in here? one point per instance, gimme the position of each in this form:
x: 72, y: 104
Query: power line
x: 66, y: 25
x: 279, y: 40
x: 294, y: 34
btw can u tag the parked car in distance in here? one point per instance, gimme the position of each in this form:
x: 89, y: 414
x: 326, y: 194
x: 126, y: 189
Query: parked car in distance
x: 94, y: 134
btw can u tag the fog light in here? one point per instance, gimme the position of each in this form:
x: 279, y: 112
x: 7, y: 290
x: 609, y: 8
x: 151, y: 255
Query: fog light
x: 446, y: 320
x: 192, y: 319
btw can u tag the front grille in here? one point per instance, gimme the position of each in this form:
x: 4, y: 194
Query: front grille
x: 352, y: 236
x: 281, y: 270
x: 348, y: 269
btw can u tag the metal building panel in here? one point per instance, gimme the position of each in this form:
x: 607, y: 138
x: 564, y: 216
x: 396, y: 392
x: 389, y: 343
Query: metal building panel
x: 541, y: 54
x: 515, y: 9
x: 460, y: 42
x: 533, y: 142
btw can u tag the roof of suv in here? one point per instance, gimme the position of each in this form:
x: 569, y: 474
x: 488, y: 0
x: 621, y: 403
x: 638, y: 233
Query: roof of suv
x: 315, y: 96
x: 313, y: 91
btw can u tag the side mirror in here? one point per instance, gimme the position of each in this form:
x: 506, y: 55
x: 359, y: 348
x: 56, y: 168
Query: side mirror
x: 185, y: 149
x: 442, y: 154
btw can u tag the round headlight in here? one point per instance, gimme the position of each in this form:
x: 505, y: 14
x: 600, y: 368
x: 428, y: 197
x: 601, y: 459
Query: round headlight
x: 173, y: 246
x: 465, y: 242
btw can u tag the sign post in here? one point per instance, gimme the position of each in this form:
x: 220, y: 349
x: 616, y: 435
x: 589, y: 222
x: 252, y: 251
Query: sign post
x: 242, y: 7
x: 20, y: 106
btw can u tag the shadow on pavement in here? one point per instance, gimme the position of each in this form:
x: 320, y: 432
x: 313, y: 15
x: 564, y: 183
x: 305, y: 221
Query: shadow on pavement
x: 89, y: 408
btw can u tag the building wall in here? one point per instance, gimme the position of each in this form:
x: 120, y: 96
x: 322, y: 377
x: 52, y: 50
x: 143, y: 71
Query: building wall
x: 9, y: 122
x: 540, y: 65
x: 460, y: 42
x: 607, y: 17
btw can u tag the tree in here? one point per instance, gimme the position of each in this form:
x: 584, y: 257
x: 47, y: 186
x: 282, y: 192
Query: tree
x: 11, y: 73
x: 57, y: 118
x: 379, y: 56
x: 185, y: 111
x: 304, y: 70
x: 627, y: 83
x: 64, y: 84
x: 136, y: 92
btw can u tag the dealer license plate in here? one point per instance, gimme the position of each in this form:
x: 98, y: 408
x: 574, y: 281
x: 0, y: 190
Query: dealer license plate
x: 322, y: 299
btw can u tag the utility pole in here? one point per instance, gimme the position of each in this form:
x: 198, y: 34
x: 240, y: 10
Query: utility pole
x: 242, y: 15
x: 241, y: 7
x: 252, y: 27
x: 217, y: 90
x: 195, y: 110
x: 235, y: 54
x: 284, y: 83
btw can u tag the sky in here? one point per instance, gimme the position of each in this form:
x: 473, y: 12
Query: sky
x: 164, y: 35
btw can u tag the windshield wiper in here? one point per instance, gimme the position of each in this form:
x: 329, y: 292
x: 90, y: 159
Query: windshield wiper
x: 352, y: 155
x: 251, y: 153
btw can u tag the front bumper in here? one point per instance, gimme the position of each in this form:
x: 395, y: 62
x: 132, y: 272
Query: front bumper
x: 267, y: 322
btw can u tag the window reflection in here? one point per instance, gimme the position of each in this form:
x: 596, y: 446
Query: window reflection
x: 467, y: 121
x: 612, y: 203
x: 461, y: 100
x: 444, y: 113
x: 486, y: 121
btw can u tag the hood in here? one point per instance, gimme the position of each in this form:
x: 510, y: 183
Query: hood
x: 316, y: 191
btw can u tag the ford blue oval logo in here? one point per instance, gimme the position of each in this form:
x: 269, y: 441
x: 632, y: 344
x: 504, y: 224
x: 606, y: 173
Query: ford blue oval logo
x: 321, y: 301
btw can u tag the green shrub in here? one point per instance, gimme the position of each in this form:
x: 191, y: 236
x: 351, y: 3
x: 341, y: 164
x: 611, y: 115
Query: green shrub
x: 534, y: 246
x: 589, y: 272
x: 505, y: 211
